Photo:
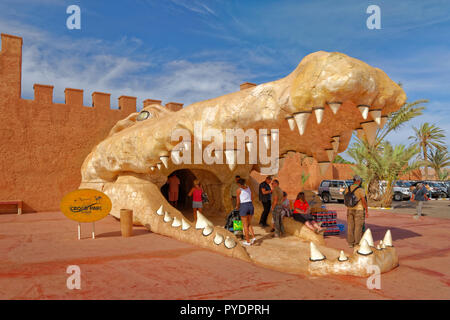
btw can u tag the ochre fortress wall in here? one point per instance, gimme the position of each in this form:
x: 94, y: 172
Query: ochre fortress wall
x: 43, y: 144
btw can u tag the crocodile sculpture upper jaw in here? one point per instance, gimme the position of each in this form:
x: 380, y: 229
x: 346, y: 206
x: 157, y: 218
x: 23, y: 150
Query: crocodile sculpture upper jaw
x: 327, y: 97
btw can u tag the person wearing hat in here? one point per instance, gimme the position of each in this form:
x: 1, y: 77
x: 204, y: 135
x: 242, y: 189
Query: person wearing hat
x: 355, y: 214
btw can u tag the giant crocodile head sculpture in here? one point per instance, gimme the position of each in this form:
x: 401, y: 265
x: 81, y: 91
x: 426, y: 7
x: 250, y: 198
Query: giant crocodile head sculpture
x: 312, y: 111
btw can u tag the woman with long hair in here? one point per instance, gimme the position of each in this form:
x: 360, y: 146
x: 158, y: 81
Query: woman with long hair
x: 302, y: 213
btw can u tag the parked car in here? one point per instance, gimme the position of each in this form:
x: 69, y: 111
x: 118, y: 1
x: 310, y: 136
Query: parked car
x: 440, y: 186
x: 331, y: 189
x: 447, y: 184
x: 402, y: 190
x: 437, y: 190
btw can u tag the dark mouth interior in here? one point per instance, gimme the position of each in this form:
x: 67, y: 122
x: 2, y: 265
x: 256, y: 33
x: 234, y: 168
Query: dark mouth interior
x: 214, y: 210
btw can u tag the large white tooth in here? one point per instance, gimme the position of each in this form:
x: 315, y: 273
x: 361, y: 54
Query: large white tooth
x: 202, y: 222
x: 176, y: 156
x: 291, y: 123
x: 370, y: 131
x: 335, y: 143
x: 364, y: 249
x: 342, y: 256
x: 207, y: 231
x: 376, y: 115
x: 158, y: 165
x: 230, y: 243
x: 184, y: 225
x: 176, y: 222
x: 231, y: 166
x: 301, y: 119
x: 318, y: 111
x: 383, y: 121
x: 316, y: 255
x: 167, y: 217
x: 249, y: 146
x: 275, y: 135
x: 160, y: 211
x: 165, y: 160
x: 334, y: 106
x: 330, y: 154
x: 364, y: 109
x: 368, y: 237
x: 230, y: 156
x: 323, y: 166
x: 218, y: 239
x: 387, y: 241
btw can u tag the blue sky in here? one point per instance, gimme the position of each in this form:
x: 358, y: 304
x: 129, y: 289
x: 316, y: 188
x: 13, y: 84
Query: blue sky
x: 186, y: 51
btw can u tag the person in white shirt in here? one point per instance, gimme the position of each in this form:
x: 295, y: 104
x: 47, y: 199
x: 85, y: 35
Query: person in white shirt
x: 244, y: 198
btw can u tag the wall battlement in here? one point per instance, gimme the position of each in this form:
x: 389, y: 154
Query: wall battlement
x: 11, y: 77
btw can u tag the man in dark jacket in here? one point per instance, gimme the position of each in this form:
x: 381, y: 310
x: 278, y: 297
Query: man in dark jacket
x: 265, y: 196
x: 420, y: 195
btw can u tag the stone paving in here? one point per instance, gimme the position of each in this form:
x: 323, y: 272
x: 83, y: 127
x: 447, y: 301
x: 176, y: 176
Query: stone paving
x: 37, y: 248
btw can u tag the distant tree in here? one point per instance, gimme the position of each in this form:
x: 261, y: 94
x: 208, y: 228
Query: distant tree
x: 385, y: 163
x: 428, y: 137
x: 439, y: 159
x: 443, y: 175
x: 339, y: 159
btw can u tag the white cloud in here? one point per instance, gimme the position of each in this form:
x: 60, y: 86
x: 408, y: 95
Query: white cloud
x: 92, y: 65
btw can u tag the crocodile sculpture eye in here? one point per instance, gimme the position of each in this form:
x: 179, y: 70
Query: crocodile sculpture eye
x: 144, y: 115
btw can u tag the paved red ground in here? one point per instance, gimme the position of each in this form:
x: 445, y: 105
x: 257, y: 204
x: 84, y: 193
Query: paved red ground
x: 36, y: 249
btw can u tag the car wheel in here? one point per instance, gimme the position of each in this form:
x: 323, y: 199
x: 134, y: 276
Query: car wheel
x: 325, y: 197
x: 398, y: 197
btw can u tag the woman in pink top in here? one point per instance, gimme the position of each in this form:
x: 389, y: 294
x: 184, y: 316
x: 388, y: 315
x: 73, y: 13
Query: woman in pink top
x: 196, y: 193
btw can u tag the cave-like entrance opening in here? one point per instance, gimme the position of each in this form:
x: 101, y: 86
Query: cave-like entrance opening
x: 213, y: 187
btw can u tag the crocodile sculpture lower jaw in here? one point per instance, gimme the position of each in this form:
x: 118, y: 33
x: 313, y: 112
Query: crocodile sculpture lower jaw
x: 327, y: 97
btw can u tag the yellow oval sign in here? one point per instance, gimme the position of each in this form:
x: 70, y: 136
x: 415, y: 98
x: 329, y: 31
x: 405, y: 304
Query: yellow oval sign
x: 86, y: 205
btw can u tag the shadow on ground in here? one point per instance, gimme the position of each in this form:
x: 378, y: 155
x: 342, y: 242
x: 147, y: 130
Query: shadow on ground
x: 378, y: 232
x: 136, y: 232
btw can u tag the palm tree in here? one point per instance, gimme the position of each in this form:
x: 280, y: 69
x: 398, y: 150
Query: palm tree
x: 385, y: 163
x: 443, y: 175
x: 438, y: 159
x: 428, y: 136
x: 368, y: 156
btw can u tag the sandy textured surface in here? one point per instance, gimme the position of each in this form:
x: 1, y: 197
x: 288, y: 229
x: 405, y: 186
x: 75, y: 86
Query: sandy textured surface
x: 35, y: 250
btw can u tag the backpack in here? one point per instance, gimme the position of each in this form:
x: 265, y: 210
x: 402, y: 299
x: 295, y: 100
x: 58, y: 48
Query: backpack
x: 205, y: 197
x: 233, y: 216
x: 350, y: 200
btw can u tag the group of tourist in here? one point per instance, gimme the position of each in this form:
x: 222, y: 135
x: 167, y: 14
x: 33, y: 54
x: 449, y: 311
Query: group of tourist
x: 274, y: 200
